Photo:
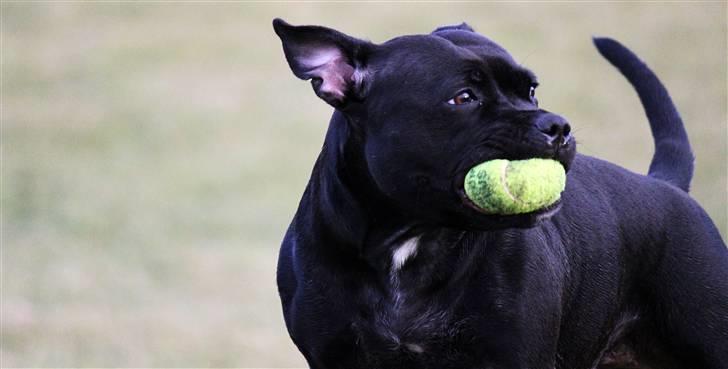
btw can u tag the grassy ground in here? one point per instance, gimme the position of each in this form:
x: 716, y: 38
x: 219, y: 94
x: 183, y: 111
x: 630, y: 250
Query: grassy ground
x: 154, y: 153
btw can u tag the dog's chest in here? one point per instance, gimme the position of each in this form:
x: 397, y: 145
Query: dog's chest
x: 401, y: 322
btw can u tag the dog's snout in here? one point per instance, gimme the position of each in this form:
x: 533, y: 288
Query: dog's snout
x: 555, y: 127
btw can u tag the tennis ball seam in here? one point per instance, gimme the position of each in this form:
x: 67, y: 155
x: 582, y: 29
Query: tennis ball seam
x: 504, y: 183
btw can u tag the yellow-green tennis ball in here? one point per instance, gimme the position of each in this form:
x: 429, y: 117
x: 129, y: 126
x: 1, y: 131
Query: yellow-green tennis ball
x: 515, y: 187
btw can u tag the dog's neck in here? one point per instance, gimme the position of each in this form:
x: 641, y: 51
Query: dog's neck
x: 346, y: 202
x: 342, y: 202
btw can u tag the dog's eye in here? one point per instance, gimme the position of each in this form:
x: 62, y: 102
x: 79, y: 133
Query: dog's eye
x: 463, y: 97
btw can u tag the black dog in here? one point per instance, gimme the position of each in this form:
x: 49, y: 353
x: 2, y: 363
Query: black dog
x: 388, y: 265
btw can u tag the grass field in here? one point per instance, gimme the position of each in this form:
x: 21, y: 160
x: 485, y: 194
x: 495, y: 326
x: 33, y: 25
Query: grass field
x: 154, y: 153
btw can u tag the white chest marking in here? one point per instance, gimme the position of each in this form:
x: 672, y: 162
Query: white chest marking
x: 414, y: 348
x: 407, y: 250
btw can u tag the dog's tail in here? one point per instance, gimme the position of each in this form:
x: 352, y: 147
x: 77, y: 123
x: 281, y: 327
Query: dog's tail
x: 673, y: 158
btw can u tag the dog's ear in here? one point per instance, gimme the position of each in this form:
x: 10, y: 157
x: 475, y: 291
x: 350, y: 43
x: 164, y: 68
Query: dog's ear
x: 457, y: 27
x: 333, y: 61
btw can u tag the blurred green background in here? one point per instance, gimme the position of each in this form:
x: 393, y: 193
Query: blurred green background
x: 154, y: 153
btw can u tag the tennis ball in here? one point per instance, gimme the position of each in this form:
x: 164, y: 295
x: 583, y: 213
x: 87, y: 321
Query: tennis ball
x: 515, y: 187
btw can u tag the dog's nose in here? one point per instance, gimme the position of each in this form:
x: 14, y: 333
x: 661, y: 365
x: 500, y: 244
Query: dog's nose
x: 556, y: 128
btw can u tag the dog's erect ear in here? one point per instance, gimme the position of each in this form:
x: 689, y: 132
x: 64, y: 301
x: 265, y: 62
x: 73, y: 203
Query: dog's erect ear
x: 333, y: 61
x: 458, y: 27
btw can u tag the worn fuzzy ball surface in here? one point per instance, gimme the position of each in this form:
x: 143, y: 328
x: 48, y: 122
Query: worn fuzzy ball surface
x: 515, y: 187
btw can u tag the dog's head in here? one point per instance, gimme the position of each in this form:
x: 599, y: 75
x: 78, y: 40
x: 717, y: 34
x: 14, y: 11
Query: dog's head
x: 430, y: 107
